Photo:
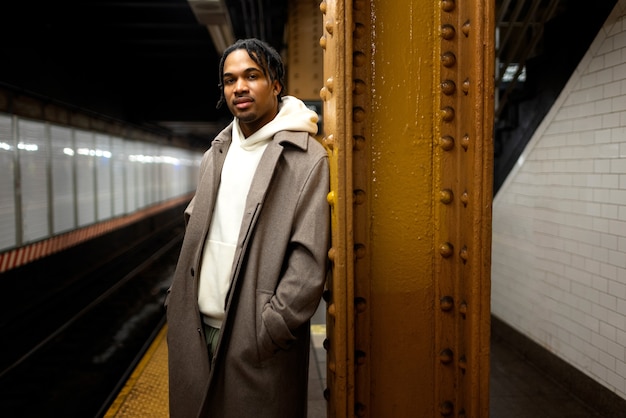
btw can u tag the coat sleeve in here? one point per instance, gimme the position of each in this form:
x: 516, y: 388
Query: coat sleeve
x: 300, y: 288
x: 189, y: 210
x: 203, y: 166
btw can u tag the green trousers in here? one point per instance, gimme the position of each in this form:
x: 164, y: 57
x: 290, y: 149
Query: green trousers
x: 211, y: 335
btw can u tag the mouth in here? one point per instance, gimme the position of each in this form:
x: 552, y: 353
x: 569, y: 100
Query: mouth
x: 242, y: 102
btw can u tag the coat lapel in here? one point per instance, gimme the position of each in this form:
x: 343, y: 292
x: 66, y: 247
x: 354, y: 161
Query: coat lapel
x: 207, y: 191
x: 259, y: 188
x: 254, y: 203
x: 267, y: 167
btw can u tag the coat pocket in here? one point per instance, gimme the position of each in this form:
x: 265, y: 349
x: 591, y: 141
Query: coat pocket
x: 266, y: 347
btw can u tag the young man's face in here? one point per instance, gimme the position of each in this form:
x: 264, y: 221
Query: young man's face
x: 250, y: 95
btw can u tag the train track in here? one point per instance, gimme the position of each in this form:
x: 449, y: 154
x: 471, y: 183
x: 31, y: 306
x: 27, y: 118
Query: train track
x: 69, y: 356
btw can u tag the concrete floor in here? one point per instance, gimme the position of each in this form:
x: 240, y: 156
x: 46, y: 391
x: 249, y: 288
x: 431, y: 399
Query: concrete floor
x: 517, y: 388
x: 520, y: 390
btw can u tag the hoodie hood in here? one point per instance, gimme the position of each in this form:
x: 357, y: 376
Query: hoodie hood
x: 293, y: 115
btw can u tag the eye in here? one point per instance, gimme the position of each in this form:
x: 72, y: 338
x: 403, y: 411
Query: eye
x: 228, y: 81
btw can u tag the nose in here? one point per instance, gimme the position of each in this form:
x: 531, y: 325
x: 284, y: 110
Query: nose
x: 241, y: 85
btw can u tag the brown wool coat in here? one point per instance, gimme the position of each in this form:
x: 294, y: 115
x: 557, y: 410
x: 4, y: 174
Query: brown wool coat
x: 261, y: 363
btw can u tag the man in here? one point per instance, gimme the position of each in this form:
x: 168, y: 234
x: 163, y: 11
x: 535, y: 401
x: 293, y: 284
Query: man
x: 253, y: 262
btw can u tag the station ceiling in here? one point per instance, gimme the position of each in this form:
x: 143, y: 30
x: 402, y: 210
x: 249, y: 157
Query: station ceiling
x: 154, y: 62
x: 148, y: 62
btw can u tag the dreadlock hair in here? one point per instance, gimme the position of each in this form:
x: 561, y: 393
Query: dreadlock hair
x: 263, y: 55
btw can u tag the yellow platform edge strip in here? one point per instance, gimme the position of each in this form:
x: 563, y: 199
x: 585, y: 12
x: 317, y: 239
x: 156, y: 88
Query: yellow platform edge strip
x: 132, y: 380
x: 318, y: 329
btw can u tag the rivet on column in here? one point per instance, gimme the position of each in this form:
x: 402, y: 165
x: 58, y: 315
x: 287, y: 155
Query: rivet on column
x: 448, y: 59
x: 360, y: 409
x: 447, y: 5
x: 359, y: 251
x: 463, y: 254
x: 466, y: 28
x: 358, y: 114
x: 447, y: 114
x: 358, y: 59
x: 323, y: 42
x: 465, y: 198
x: 465, y: 141
x: 463, y: 363
x: 446, y: 303
x: 359, y: 31
x: 327, y: 394
x: 466, y: 86
x: 330, y: 84
x: 463, y: 309
x: 330, y: 26
x: 446, y: 196
x: 446, y: 356
x: 360, y: 304
x: 331, y: 198
x: 360, y: 357
x: 446, y: 408
x: 359, y: 87
x: 446, y: 142
x: 332, y: 253
x: 324, y: 94
x: 329, y: 141
x: 448, y: 87
x: 332, y: 310
x: 358, y: 142
x: 358, y: 197
x: 448, y: 32
x: 446, y: 249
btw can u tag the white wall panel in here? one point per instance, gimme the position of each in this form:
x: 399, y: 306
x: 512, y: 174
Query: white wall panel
x: 33, y: 159
x: 133, y: 175
x: 62, y: 160
x: 118, y: 166
x: 7, y: 183
x: 104, y: 195
x: 170, y: 177
x: 71, y: 178
x: 85, y: 177
x: 152, y: 173
x: 183, y: 168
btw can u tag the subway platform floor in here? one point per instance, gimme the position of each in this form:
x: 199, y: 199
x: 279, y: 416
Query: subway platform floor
x: 518, y: 389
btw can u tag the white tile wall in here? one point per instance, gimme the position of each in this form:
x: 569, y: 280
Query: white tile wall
x: 559, y: 220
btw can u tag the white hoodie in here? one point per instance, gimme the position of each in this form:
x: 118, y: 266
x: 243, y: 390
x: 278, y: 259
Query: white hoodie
x: 240, y: 165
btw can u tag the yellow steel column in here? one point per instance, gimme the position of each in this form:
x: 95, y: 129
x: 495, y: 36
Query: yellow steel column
x: 462, y: 194
x: 408, y: 114
x: 402, y: 284
x: 337, y: 103
x: 463, y: 182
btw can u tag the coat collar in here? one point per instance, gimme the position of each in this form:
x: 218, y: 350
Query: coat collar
x: 282, y: 138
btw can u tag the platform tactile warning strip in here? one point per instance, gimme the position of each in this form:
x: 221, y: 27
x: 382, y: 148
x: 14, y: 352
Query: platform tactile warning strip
x: 146, y: 391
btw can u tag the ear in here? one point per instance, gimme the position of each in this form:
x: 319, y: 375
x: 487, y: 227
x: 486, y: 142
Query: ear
x: 276, y: 88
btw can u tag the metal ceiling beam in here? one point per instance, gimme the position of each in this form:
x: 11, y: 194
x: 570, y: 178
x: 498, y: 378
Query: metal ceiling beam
x: 214, y: 15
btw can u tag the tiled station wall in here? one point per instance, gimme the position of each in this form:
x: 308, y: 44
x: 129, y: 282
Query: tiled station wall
x: 559, y: 221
